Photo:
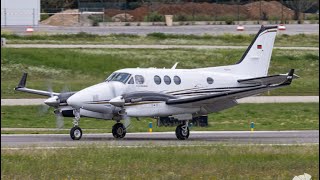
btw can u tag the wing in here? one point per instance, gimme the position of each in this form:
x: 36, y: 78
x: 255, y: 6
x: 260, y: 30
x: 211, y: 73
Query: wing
x: 22, y: 87
x: 266, y: 84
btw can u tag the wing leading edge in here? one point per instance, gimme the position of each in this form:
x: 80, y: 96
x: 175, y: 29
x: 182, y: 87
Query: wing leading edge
x: 273, y: 83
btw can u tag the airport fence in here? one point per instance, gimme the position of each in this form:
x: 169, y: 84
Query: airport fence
x: 102, y: 12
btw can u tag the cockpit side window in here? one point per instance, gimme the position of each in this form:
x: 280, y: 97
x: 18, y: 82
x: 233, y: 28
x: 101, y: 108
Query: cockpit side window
x: 111, y: 76
x: 131, y: 81
x: 121, y: 77
x: 139, y: 79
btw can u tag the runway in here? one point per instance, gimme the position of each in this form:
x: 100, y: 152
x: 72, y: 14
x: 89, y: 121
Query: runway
x: 164, y: 139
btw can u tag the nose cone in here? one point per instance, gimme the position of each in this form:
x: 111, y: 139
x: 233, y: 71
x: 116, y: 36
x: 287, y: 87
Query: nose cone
x: 75, y: 100
x: 103, y: 91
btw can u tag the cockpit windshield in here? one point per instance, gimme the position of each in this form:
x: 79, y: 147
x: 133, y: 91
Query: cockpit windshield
x: 121, y: 77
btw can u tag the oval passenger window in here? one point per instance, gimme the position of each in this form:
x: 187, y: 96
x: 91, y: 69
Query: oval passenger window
x: 209, y: 80
x: 177, y: 80
x: 167, y: 80
x: 157, y: 79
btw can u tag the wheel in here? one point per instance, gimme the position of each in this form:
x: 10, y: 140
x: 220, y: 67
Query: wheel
x: 118, y: 130
x: 75, y: 133
x: 182, y: 132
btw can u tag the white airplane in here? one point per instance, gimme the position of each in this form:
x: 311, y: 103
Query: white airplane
x: 182, y: 94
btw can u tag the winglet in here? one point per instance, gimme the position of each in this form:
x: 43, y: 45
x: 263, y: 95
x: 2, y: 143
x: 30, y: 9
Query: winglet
x: 289, y: 77
x: 23, y: 81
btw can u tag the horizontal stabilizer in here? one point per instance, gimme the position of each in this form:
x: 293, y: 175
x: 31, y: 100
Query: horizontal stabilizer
x: 267, y: 80
x: 267, y: 83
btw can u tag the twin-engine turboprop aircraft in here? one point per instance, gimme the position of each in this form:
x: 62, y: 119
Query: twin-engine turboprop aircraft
x: 182, y: 94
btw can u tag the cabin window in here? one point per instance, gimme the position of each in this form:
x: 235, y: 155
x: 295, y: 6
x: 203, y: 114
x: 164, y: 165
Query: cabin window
x: 209, y: 80
x: 131, y: 81
x: 167, y: 80
x: 139, y: 79
x: 177, y: 80
x: 157, y: 79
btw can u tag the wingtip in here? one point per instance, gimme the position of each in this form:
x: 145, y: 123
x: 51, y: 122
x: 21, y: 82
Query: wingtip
x: 23, y: 81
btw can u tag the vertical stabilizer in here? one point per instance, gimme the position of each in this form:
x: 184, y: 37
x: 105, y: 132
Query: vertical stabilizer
x: 256, y: 59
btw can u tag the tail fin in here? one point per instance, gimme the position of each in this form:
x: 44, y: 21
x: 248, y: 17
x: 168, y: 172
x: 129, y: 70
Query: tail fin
x: 256, y: 59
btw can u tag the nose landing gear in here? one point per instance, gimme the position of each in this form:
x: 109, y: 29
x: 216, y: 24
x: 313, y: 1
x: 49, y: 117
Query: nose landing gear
x: 118, y: 130
x: 76, y: 132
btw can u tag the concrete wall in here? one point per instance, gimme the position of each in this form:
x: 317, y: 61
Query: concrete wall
x: 20, y: 12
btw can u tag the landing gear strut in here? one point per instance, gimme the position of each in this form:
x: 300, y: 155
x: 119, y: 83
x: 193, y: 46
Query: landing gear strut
x: 118, y: 130
x: 76, y: 132
x: 182, y: 131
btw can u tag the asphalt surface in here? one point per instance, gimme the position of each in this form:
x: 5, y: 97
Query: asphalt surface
x: 143, y: 30
x: 254, y: 99
x: 123, y: 46
x: 165, y: 139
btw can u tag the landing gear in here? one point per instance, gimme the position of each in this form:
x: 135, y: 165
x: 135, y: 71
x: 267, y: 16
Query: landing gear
x: 76, y: 132
x: 118, y: 130
x: 182, y: 131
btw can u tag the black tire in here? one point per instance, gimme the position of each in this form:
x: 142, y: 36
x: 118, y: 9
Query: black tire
x: 118, y: 130
x: 75, y: 133
x: 181, y: 134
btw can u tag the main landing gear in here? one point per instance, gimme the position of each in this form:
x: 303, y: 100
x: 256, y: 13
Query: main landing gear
x: 76, y: 132
x: 182, y: 131
x: 119, y: 130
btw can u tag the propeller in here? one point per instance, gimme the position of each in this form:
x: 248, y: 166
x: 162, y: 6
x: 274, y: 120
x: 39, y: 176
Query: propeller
x: 59, y: 119
x: 55, y: 102
x: 119, y: 101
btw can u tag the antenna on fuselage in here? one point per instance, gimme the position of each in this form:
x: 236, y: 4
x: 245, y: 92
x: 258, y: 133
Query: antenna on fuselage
x: 175, y: 65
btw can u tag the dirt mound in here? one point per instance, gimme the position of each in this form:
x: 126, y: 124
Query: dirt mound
x: 269, y: 10
x: 122, y: 17
x: 251, y: 11
x: 65, y: 18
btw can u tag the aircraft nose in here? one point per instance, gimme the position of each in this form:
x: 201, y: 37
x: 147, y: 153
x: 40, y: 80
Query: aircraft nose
x: 75, y: 101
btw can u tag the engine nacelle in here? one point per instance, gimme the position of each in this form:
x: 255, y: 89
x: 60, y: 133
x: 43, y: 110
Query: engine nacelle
x: 67, y: 113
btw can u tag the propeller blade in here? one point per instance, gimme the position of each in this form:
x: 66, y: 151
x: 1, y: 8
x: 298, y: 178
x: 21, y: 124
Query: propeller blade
x: 49, y: 87
x: 65, y: 89
x: 59, y: 120
x: 43, y: 109
x: 127, y: 121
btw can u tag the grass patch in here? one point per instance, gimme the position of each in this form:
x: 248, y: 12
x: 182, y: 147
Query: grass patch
x: 305, y: 40
x: 79, y: 68
x: 203, y: 162
x: 291, y: 116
